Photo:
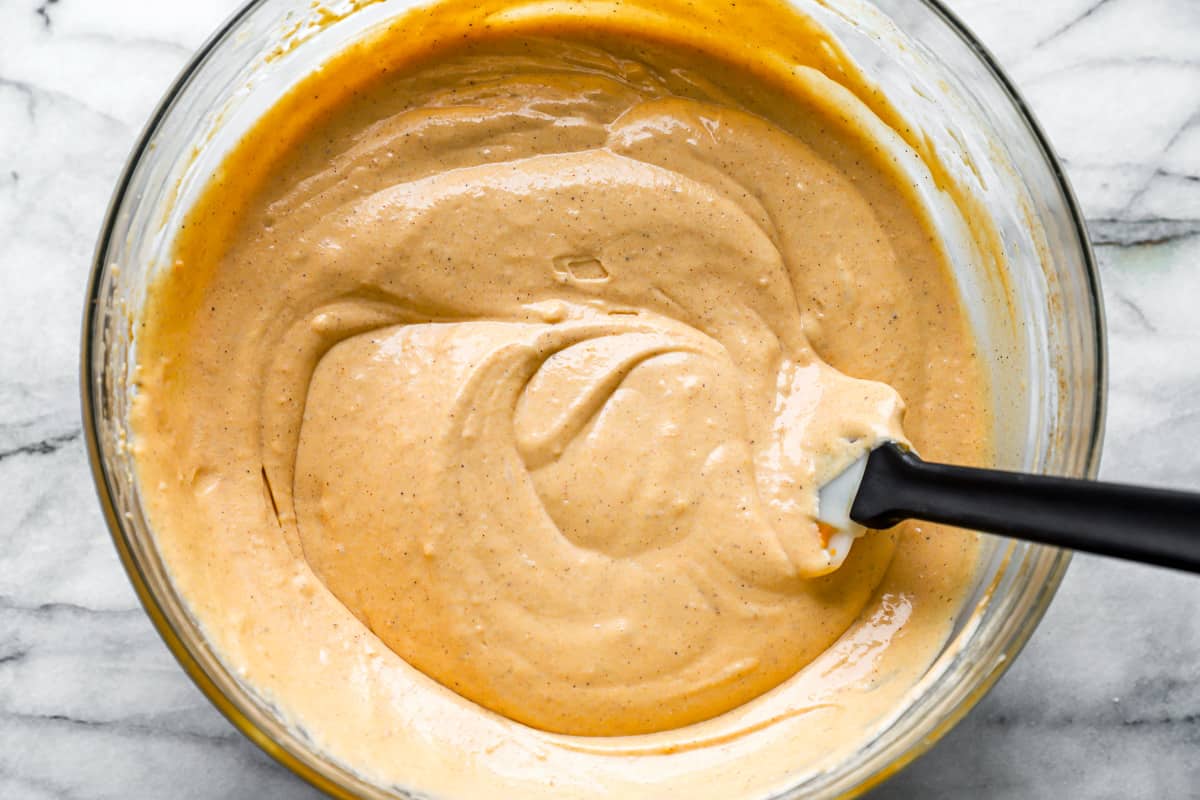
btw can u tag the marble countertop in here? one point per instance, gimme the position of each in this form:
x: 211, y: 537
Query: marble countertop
x: 1104, y: 702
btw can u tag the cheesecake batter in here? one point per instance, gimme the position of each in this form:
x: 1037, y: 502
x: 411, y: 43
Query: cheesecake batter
x: 483, y: 410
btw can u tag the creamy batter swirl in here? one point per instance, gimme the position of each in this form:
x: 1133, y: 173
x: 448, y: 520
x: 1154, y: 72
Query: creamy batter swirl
x: 588, y: 504
x: 520, y: 358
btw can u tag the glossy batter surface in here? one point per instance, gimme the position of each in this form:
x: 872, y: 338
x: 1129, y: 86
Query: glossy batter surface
x: 511, y: 388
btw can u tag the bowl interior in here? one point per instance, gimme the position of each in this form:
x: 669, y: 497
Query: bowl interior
x: 1032, y: 294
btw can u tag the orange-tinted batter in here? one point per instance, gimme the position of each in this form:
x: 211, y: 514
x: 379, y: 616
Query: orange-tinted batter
x: 506, y: 381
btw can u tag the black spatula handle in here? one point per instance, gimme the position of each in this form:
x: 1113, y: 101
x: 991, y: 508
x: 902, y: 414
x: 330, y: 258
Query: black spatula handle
x: 1155, y: 526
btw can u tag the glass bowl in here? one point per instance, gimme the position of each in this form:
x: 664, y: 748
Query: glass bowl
x: 1038, y: 313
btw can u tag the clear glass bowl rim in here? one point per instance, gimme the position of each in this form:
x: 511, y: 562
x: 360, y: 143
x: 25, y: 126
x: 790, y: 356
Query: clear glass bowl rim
x: 327, y: 780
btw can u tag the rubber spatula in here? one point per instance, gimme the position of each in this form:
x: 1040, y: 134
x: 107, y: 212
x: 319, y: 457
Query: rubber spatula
x: 892, y: 484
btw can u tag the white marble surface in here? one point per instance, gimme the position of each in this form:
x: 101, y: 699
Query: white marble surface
x: 1105, y: 702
